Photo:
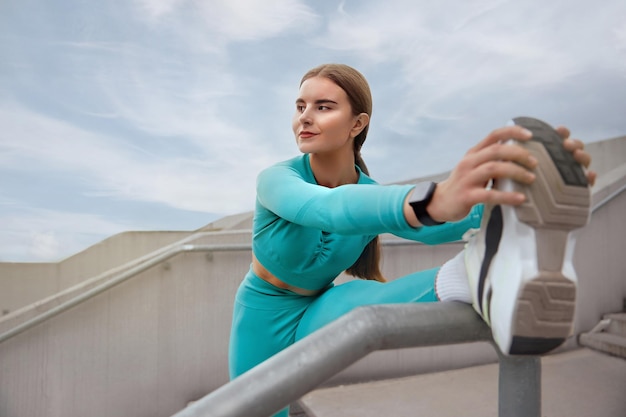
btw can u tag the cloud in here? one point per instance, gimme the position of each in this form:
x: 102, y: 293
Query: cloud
x: 251, y: 19
x: 47, y: 235
x: 45, y: 246
x: 155, y: 9
x: 180, y: 103
x: 117, y: 169
x: 445, y: 73
x: 620, y: 41
x: 448, y: 47
x: 165, y: 97
x: 233, y: 20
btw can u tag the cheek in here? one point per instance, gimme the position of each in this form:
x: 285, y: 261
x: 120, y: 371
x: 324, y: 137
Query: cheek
x: 339, y: 123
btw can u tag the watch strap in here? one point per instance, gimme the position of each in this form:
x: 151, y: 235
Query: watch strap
x: 420, y: 206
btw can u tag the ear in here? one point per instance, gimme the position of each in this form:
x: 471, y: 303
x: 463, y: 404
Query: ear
x: 360, y: 122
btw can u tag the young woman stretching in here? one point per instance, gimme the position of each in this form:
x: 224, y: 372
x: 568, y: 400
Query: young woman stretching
x: 319, y: 214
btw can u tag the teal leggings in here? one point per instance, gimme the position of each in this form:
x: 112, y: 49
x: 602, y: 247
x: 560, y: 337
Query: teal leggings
x: 267, y: 319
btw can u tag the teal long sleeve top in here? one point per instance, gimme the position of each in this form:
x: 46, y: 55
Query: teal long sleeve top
x: 306, y: 234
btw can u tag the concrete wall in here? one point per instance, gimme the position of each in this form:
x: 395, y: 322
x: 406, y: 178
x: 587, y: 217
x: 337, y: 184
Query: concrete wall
x: 607, y: 154
x: 114, y: 251
x: 25, y: 283
x: 601, y: 263
x: 150, y: 345
x: 143, y: 348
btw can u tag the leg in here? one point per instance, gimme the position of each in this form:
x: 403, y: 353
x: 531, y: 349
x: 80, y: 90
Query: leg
x: 264, y: 323
x: 520, y: 262
x: 340, y: 299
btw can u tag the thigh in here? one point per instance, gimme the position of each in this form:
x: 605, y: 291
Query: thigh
x: 265, y: 319
x: 340, y: 299
x: 256, y: 335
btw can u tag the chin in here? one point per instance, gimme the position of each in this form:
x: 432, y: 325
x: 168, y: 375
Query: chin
x: 304, y: 148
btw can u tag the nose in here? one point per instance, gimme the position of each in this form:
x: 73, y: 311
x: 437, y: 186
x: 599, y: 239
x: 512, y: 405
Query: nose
x: 305, y: 117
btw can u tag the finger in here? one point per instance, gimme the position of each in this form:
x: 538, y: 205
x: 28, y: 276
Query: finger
x: 495, y: 197
x: 502, y: 134
x: 498, y: 170
x: 573, y: 144
x: 576, y: 147
x: 582, y: 157
x: 591, y: 177
x: 503, y: 152
x: 563, y: 132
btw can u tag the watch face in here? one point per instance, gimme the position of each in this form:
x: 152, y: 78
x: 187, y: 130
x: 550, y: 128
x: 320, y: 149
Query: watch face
x: 421, y: 191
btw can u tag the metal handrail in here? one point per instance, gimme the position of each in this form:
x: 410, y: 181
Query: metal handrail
x: 161, y: 257
x: 608, y: 198
x: 150, y: 262
x: 297, y: 370
x: 303, y: 366
x: 116, y: 281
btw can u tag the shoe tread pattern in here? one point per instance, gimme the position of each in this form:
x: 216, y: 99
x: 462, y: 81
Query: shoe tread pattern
x: 571, y: 172
x: 558, y: 201
x: 559, y: 198
x: 545, y: 306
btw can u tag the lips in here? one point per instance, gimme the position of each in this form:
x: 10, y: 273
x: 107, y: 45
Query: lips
x: 306, y: 134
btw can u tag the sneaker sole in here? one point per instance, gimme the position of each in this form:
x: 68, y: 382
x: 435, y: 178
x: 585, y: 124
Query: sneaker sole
x: 557, y: 202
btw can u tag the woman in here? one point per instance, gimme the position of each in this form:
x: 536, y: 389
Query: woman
x: 319, y: 214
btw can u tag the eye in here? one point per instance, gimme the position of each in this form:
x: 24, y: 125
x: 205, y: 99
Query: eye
x: 299, y: 108
x: 323, y: 108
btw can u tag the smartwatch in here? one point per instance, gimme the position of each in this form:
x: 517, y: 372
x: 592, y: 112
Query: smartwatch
x: 419, y: 200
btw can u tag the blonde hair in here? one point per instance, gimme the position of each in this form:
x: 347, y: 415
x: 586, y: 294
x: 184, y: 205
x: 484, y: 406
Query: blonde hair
x: 360, y: 97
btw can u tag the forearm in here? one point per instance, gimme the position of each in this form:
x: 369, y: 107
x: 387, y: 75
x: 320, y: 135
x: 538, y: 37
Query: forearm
x: 409, y: 213
x: 447, y: 232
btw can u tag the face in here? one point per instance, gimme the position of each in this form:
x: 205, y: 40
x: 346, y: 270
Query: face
x: 323, y: 122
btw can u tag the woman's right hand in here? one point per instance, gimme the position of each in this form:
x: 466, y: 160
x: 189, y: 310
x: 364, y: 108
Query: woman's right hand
x: 493, y: 159
x: 489, y: 159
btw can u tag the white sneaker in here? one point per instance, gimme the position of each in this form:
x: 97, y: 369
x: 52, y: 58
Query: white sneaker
x: 519, y: 263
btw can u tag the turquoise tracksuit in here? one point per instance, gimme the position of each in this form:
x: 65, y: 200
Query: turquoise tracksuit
x: 306, y: 235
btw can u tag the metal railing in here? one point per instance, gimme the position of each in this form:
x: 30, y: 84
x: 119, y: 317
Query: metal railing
x: 161, y: 255
x: 150, y: 261
x: 302, y: 367
x: 116, y: 280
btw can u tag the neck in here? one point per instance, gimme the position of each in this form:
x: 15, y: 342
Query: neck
x: 333, y: 170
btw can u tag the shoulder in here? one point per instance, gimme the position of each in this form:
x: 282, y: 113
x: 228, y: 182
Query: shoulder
x: 294, y: 167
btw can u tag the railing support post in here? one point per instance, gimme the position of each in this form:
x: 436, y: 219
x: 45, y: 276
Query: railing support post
x: 519, y: 386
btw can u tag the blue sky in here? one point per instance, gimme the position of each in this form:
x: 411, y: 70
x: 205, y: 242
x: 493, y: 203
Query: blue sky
x: 158, y: 114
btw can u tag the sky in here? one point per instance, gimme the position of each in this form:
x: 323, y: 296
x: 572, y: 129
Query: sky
x: 159, y: 114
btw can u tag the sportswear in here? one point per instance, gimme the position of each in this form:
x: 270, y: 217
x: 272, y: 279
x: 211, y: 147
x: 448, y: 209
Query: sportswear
x: 306, y: 235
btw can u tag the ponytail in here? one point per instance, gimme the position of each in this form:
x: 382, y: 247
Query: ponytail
x: 368, y: 264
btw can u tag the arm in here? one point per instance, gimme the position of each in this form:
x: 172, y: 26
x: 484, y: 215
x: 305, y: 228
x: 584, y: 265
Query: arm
x: 492, y: 159
x: 364, y: 209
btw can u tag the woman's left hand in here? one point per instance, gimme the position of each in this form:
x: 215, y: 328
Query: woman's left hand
x: 577, y: 148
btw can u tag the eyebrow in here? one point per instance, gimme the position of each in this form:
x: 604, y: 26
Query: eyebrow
x: 318, y: 102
